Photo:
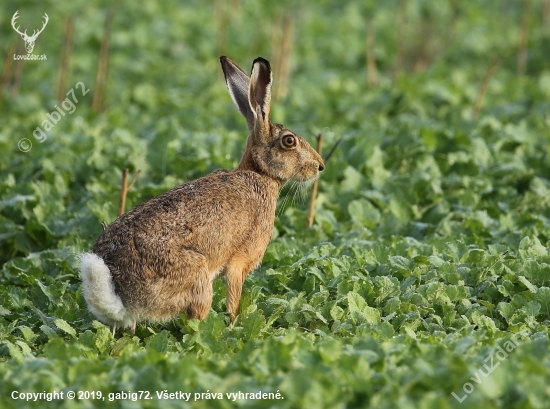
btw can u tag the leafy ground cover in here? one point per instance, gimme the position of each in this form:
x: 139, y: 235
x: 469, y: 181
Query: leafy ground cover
x: 425, y: 281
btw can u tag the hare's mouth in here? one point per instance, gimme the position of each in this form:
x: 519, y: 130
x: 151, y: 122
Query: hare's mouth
x: 305, y: 179
x: 309, y: 174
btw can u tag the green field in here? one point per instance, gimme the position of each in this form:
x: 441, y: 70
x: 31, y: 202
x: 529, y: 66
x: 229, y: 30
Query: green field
x: 425, y: 279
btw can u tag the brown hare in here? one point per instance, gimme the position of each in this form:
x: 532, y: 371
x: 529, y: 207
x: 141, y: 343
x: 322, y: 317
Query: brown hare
x: 161, y: 257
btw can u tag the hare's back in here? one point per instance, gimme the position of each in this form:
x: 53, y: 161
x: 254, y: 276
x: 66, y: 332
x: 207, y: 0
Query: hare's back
x: 213, y: 216
x: 221, y: 200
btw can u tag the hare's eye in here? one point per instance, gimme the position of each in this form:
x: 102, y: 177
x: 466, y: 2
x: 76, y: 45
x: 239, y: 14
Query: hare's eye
x: 288, y: 141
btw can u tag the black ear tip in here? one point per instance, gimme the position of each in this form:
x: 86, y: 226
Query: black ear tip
x: 261, y: 61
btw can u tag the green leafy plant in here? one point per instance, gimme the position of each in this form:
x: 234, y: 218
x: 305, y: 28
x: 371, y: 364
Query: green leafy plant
x: 430, y: 246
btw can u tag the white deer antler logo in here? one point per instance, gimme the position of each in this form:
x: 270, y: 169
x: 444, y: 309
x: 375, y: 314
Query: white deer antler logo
x: 29, y: 40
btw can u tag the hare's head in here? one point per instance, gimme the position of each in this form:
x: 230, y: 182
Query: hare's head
x: 271, y: 149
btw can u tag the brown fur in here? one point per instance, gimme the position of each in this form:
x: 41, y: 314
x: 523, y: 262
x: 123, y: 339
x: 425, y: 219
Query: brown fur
x: 164, y: 254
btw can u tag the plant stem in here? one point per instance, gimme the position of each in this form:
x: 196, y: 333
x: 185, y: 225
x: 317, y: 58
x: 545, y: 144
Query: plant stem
x: 64, y: 61
x: 311, y: 213
x: 372, y: 71
x: 524, y: 38
x: 124, y: 188
x: 101, y: 77
x: 483, y: 87
x: 123, y: 192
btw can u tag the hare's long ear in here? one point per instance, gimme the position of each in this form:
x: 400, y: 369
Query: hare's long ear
x: 259, y: 95
x: 237, y: 84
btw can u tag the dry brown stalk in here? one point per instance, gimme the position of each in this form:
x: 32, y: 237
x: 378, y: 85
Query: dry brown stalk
x: 281, y: 45
x: 124, y: 188
x: 221, y: 25
x: 524, y: 37
x: 313, y: 197
x: 372, y: 71
x: 6, y: 69
x: 546, y: 16
x: 102, y: 67
x: 332, y: 150
x: 17, y: 74
x: 65, y: 56
x: 483, y: 87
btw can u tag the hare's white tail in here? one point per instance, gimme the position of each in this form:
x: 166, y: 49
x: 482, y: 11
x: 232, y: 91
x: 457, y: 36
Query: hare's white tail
x: 99, y: 292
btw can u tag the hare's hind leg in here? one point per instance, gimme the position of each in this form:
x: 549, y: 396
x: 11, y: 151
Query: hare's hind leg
x: 197, y: 296
x: 201, y: 299
x: 184, y: 286
x: 235, y: 275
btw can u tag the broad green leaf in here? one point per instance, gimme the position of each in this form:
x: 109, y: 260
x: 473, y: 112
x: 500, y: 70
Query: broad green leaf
x: 527, y: 284
x: 543, y: 298
x: 65, y: 327
x: 158, y: 342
